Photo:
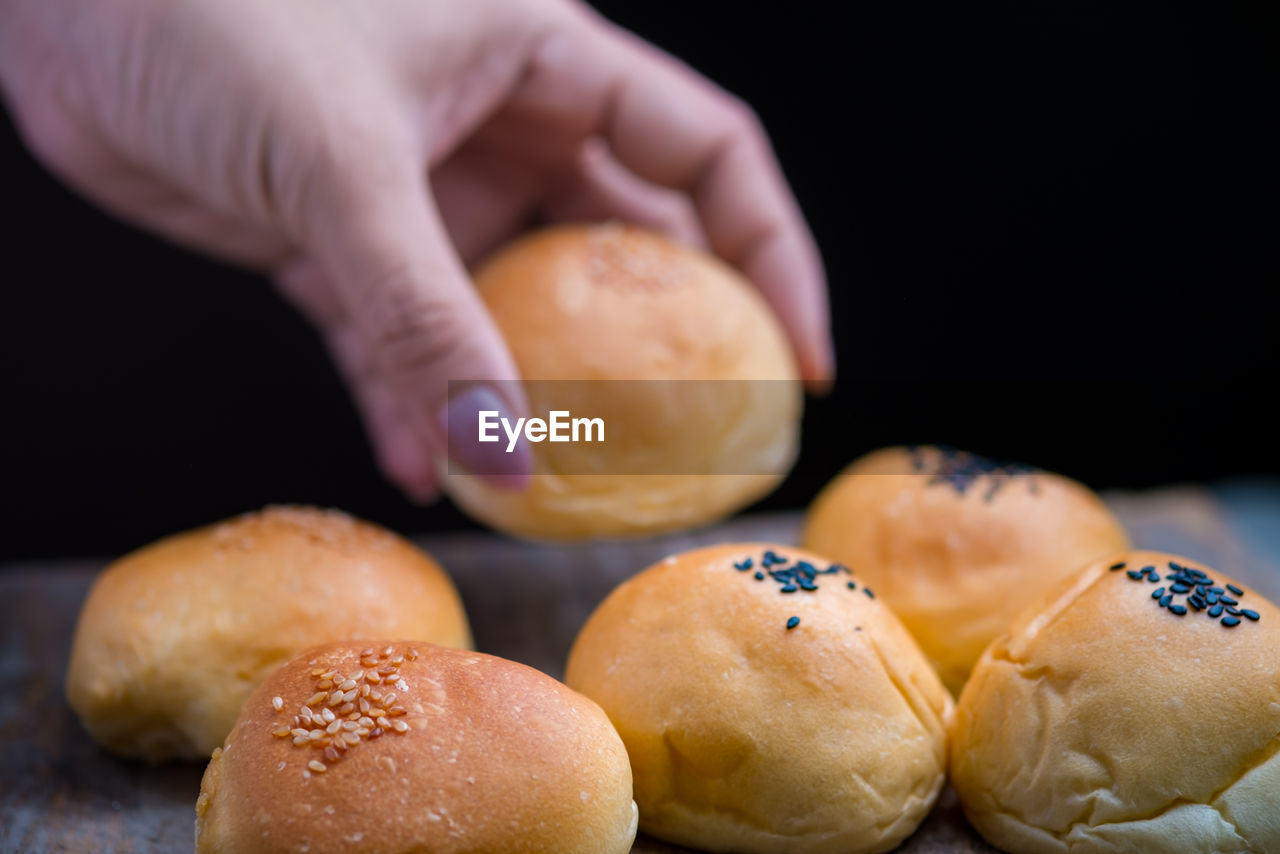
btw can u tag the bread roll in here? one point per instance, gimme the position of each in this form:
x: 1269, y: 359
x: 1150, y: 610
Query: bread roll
x: 957, y: 544
x: 173, y: 637
x: 1125, y: 714
x: 675, y: 352
x: 429, y: 750
x: 767, y: 706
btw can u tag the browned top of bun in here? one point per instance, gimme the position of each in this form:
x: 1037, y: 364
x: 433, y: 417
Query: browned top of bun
x: 494, y: 756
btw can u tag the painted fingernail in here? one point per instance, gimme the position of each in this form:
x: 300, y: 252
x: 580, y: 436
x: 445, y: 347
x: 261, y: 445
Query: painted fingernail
x: 475, y: 450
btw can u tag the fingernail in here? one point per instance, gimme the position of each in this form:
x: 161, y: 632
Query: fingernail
x: 460, y: 421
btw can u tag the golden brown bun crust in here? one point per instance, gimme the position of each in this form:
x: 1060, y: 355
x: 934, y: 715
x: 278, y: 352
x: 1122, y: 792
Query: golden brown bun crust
x: 1103, y: 722
x: 497, y: 757
x: 747, y: 736
x: 957, y: 566
x: 612, y: 302
x: 174, y: 636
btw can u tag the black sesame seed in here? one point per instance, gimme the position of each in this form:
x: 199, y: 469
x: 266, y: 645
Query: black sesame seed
x: 1180, y: 588
x: 1196, y: 602
x: 1156, y: 594
x: 1235, y: 590
x: 1174, y: 566
x: 788, y: 588
x: 1230, y: 622
x: 1116, y: 566
x: 1227, y: 600
x: 1150, y: 569
x: 1215, y: 611
x: 744, y: 564
x: 1252, y: 615
x: 759, y: 576
x: 1211, y: 598
x: 1178, y: 609
x: 1134, y: 574
x: 808, y: 585
x: 867, y: 590
x: 792, y: 623
x: 851, y: 585
x: 1235, y: 612
x: 1164, y: 602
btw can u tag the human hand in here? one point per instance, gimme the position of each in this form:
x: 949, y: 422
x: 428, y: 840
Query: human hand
x: 362, y: 153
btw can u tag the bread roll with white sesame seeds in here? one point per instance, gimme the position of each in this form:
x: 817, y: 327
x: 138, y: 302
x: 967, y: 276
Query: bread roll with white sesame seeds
x: 958, y: 544
x: 483, y: 756
x: 174, y: 636
x: 762, y: 721
x: 1113, y: 719
x: 677, y: 354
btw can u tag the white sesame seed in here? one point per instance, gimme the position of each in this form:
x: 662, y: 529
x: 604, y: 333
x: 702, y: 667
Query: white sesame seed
x: 386, y: 670
x: 364, y: 690
x: 317, y: 672
x: 349, y: 726
x: 398, y: 660
x: 299, y: 732
x: 357, y: 676
x: 377, y: 713
x: 365, y: 721
x: 317, y: 766
x: 277, y: 703
x: 364, y: 730
x: 400, y: 726
x: 354, y: 716
x: 347, y: 685
x: 316, y: 734
x: 300, y: 740
x: 376, y: 732
x: 347, y: 709
x: 402, y: 685
x: 280, y: 731
x: 386, y: 652
x: 324, y: 684
x: 397, y: 711
x: 335, y: 698
x: 412, y: 654
x: 331, y: 754
x: 364, y: 704
x: 350, y: 738
x: 387, y: 699
x: 366, y: 652
x: 317, y: 698
x: 373, y: 677
x: 328, y: 716
x: 333, y: 727
x: 350, y: 696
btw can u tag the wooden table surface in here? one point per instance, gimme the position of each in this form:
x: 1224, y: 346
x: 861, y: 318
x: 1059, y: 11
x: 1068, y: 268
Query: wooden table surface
x: 58, y: 792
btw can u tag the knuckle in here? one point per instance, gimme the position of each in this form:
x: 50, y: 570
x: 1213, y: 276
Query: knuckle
x: 411, y: 331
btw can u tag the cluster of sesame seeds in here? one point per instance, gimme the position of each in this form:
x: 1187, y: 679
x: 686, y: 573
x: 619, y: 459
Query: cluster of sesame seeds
x: 346, y: 709
x: 961, y: 470
x: 1200, y: 591
x: 791, y: 577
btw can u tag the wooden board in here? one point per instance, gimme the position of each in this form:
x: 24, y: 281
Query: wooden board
x: 58, y: 792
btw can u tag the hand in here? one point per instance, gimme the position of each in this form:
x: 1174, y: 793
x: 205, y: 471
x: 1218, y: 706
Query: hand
x: 363, y: 153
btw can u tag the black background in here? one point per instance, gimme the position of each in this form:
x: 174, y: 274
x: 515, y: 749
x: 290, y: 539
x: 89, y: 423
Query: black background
x: 1050, y: 230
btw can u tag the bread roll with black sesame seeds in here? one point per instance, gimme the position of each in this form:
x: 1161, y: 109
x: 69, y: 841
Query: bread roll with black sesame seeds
x: 958, y: 544
x: 174, y: 636
x: 483, y: 756
x: 1113, y: 719
x: 606, y: 304
x: 760, y: 720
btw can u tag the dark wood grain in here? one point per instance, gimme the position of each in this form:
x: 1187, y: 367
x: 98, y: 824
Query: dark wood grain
x: 58, y: 792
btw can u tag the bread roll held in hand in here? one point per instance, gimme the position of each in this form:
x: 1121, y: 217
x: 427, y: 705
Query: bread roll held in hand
x: 1137, y: 708
x: 174, y: 636
x: 958, y: 544
x: 404, y: 747
x: 768, y: 702
x: 676, y: 354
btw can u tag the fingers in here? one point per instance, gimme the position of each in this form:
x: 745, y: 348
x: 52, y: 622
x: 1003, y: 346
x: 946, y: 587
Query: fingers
x: 673, y: 128
x: 415, y: 316
x: 600, y: 188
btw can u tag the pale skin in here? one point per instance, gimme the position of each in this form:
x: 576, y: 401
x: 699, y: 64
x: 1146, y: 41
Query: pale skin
x: 363, y: 153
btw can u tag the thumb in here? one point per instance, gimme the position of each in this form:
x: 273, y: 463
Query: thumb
x: 425, y: 332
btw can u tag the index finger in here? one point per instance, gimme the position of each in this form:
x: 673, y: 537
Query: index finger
x: 672, y: 127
